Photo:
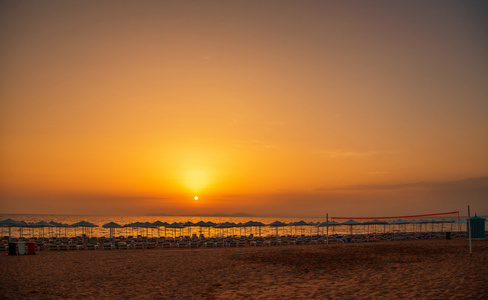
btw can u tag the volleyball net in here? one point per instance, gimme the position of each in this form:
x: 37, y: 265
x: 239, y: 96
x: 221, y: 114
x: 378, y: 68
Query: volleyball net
x: 433, y: 222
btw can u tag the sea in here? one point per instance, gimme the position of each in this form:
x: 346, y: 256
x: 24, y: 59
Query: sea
x: 100, y: 231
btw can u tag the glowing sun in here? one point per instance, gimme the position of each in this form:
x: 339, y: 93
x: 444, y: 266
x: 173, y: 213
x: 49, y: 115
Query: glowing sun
x: 196, y: 197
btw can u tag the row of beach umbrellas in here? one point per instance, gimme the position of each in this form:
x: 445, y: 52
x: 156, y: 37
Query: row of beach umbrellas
x: 87, y: 226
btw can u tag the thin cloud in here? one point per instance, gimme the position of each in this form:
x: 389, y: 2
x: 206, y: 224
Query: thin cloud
x: 349, y: 154
x: 256, y: 144
x: 469, y: 183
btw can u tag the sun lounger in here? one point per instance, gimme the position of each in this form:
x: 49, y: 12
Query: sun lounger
x: 73, y: 247
x: 139, y: 245
x: 193, y: 244
x: 107, y: 246
x: 123, y: 245
x: 91, y: 247
x: 52, y: 247
x: 257, y: 243
x: 181, y: 244
x: 232, y: 243
x: 209, y: 243
x: 166, y: 244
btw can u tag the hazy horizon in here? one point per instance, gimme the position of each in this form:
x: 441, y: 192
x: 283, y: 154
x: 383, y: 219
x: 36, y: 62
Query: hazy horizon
x: 371, y: 108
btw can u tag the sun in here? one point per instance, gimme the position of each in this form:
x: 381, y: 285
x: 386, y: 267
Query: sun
x: 196, y: 197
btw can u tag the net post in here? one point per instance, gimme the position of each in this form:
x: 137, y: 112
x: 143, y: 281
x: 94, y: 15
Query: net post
x: 327, y: 220
x: 469, y: 232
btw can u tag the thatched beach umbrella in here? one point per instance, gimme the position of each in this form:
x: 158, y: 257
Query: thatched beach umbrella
x: 334, y: 224
x: 248, y: 224
x: 210, y: 224
x: 175, y: 226
x: 240, y: 225
x: 444, y: 221
x: 188, y: 225
x: 301, y: 224
x: 400, y: 222
x: 159, y: 224
x: 452, y: 221
x: 258, y: 224
x: 111, y: 226
x: 420, y: 223
x: 226, y: 225
x: 127, y: 226
x: 10, y: 223
x: 164, y: 224
x: 277, y: 224
x: 42, y: 224
x: 312, y: 226
x: 202, y: 225
x: 351, y: 223
x: 57, y: 227
x: 148, y: 225
x: 136, y: 225
x: 374, y: 223
x: 84, y: 227
x: 323, y: 225
x: 233, y: 226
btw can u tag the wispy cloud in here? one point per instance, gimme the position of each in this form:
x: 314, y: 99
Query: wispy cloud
x: 256, y: 144
x: 349, y: 154
x: 469, y: 183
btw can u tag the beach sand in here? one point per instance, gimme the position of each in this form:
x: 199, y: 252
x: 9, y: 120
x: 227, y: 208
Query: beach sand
x: 423, y: 269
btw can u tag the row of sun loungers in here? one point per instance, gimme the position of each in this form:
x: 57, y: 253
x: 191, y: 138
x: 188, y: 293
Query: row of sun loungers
x: 66, y: 244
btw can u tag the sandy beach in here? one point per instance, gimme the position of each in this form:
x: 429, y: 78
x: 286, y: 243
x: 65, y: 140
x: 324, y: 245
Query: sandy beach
x: 420, y: 269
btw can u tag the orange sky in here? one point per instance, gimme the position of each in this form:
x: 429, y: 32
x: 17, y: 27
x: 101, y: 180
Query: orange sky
x: 275, y: 108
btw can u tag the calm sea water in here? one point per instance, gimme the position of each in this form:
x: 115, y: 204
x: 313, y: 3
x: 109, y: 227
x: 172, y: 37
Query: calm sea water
x: 264, y: 230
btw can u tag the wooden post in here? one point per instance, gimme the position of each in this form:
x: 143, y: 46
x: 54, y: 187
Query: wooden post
x: 469, y: 232
x: 327, y: 223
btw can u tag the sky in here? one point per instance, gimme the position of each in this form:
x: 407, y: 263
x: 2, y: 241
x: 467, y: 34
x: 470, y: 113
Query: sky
x: 277, y: 108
